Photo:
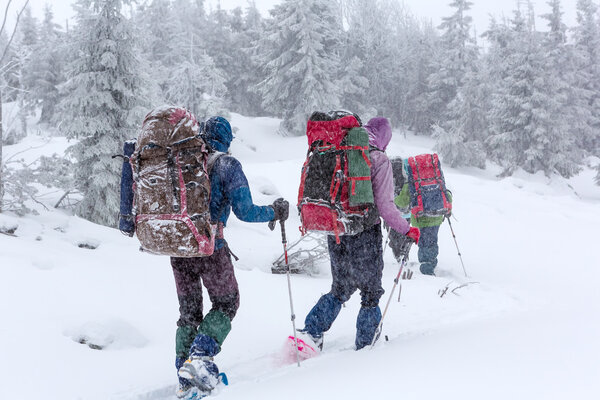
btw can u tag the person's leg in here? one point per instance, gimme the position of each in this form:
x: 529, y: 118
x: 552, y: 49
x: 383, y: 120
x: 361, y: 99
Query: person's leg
x: 367, y: 322
x: 368, y: 272
x: 189, y: 293
x: 321, y: 316
x: 428, y: 249
x: 219, y: 279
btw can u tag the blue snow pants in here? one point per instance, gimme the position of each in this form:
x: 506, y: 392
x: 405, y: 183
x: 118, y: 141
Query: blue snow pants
x: 356, y: 263
x: 428, y: 249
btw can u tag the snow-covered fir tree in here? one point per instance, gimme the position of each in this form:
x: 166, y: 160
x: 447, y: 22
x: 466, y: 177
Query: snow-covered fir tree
x: 159, y: 36
x: 459, y: 93
x: 243, y: 74
x: 510, y: 112
x: 458, y: 53
x: 101, y: 107
x: 355, y: 86
x: 414, y: 110
x: 48, y: 66
x: 460, y: 141
x: 198, y: 85
x: 587, y: 74
x: 379, y: 33
x: 300, y: 59
x: 527, y: 118
x: 217, y: 40
x: 23, y: 74
x: 555, y: 102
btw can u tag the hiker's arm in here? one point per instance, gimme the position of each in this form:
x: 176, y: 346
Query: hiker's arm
x: 238, y: 192
x: 382, y: 179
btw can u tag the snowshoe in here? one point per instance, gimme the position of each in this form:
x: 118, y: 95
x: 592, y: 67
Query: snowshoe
x: 183, y: 389
x: 305, y: 350
x: 190, y: 393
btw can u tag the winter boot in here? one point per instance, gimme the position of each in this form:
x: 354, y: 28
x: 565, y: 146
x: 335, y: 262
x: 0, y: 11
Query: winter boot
x: 199, y: 369
x: 366, y: 324
x: 316, y: 340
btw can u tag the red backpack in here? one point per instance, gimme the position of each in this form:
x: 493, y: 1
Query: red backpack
x: 427, y: 187
x: 335, y: 193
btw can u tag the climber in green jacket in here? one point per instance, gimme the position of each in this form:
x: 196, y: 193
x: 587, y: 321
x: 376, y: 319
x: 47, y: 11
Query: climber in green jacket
x: 429, y: 226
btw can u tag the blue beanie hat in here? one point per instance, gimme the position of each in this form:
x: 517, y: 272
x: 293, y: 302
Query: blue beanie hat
x: 218, y: 133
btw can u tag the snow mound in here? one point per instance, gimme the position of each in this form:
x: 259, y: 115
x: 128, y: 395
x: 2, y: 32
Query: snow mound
x: 114, y: 334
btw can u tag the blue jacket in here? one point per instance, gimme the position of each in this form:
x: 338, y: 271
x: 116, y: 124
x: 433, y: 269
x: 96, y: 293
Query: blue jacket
x: 229, y: 190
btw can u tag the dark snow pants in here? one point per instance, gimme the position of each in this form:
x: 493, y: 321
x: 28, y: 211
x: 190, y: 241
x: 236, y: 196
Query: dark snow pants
x: 217, y: 274
x: 356, y: 263
x: 428, y: 249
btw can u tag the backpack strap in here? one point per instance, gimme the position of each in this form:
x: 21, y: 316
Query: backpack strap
x: 212, y: 159
x: 418, y: 209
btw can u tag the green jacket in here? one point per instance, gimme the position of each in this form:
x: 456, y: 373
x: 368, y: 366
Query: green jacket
x: 402, y: 201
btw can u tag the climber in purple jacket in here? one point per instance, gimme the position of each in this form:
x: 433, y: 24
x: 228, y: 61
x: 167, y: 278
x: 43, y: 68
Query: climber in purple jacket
x: 357, y: 261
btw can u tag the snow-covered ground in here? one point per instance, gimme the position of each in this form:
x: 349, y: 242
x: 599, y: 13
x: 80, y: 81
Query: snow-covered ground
x: 527, y: 327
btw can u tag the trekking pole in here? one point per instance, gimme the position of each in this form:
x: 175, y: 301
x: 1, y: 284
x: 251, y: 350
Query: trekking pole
x: 405, y: 250
x: 289, y: 281
x: 457, y: 249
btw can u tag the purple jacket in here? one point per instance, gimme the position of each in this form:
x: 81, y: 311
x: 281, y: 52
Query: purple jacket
x: 382, y: 178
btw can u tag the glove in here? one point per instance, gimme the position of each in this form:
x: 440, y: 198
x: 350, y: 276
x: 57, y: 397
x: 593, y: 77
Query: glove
x: 399, y: 244
x: 281, y: 209
x: 414, y: 234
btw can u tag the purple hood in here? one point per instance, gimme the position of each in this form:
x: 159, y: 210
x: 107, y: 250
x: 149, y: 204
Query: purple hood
x: 382, y: 176
x: 380, y: 132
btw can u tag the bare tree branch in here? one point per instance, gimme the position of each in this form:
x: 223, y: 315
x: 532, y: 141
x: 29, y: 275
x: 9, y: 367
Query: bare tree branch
x: 34, y: 198
x: 12, y: 36
x: 5, y: 17
x: 462, y: 286
x: 26, y: 150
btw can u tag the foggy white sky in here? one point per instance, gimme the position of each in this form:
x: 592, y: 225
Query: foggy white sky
x: 430, y: 9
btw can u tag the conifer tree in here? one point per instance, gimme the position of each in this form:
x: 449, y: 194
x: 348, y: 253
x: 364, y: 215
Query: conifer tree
x: 461, y: 139
x: 510, y: 112
x: 587, y: 74
x: 557, y: 118
x: 198, y: 85
x: 101, y: 107
x: 299, y: 57
x: 48, y: 71
x: 528, y: 125
x: 243, y: 73
x: 160, y: 37
x: 458, y: 53
x: 378, y: 34
x: 415, y: 111
x: 23, y: 75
